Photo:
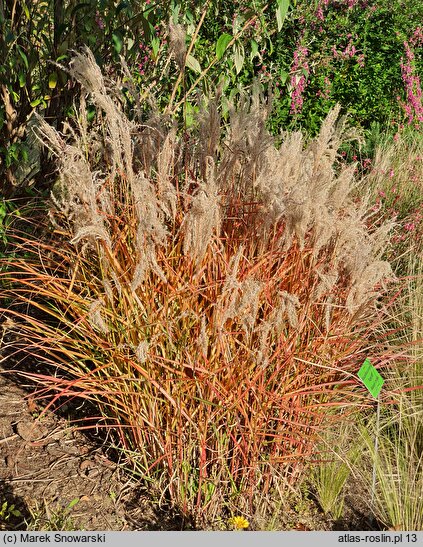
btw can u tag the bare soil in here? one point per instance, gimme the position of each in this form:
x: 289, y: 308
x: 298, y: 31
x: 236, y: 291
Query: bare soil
x: 45, y: 464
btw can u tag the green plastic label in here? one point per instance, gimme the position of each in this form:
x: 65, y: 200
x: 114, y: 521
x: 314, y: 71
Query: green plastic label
x: 371, y: 378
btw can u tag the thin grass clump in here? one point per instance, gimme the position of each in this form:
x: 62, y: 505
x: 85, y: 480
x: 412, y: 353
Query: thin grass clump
x: 215, y: 295
x: 328, y: 479
x: 397, y: 457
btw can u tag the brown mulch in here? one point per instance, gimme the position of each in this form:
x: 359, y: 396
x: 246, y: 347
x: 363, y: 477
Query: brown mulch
x: 45, y: 464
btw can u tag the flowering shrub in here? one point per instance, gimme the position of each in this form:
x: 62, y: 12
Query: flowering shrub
x: 355, y: 58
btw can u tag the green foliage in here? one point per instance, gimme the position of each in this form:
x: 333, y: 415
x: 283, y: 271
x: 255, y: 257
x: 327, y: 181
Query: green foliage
x: 7, y: 210
x: 25, y: 49
x: 3, y: 214
x: 47, y: 518
x: 328, y: 479
x: 353, y: 57
x: 7, y: 512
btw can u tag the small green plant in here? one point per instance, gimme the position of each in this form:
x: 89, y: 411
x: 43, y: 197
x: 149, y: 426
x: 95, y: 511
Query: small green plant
x: 8, y: 511
x: 5, y: 210
x: 328, y: 479
x: 46, y: 518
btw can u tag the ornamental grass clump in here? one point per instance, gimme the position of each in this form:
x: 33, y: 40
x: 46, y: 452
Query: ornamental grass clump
x: 213, y: 294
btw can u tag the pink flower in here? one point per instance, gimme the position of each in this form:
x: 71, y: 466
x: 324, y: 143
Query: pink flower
x: 298, y: 83
x: 417, y: 38
x: 99, y: 21
x: 413, y: 107
x: 377, y: 206
x: 297, y: 96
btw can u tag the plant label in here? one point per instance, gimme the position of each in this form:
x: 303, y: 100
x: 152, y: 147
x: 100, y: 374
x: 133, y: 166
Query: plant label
x: 371, y: 378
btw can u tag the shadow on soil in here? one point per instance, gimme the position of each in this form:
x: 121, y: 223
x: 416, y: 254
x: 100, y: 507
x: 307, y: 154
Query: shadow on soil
x: 13, y: 510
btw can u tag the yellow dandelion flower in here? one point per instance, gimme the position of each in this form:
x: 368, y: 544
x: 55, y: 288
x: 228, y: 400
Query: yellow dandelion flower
x: 238, y: 523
